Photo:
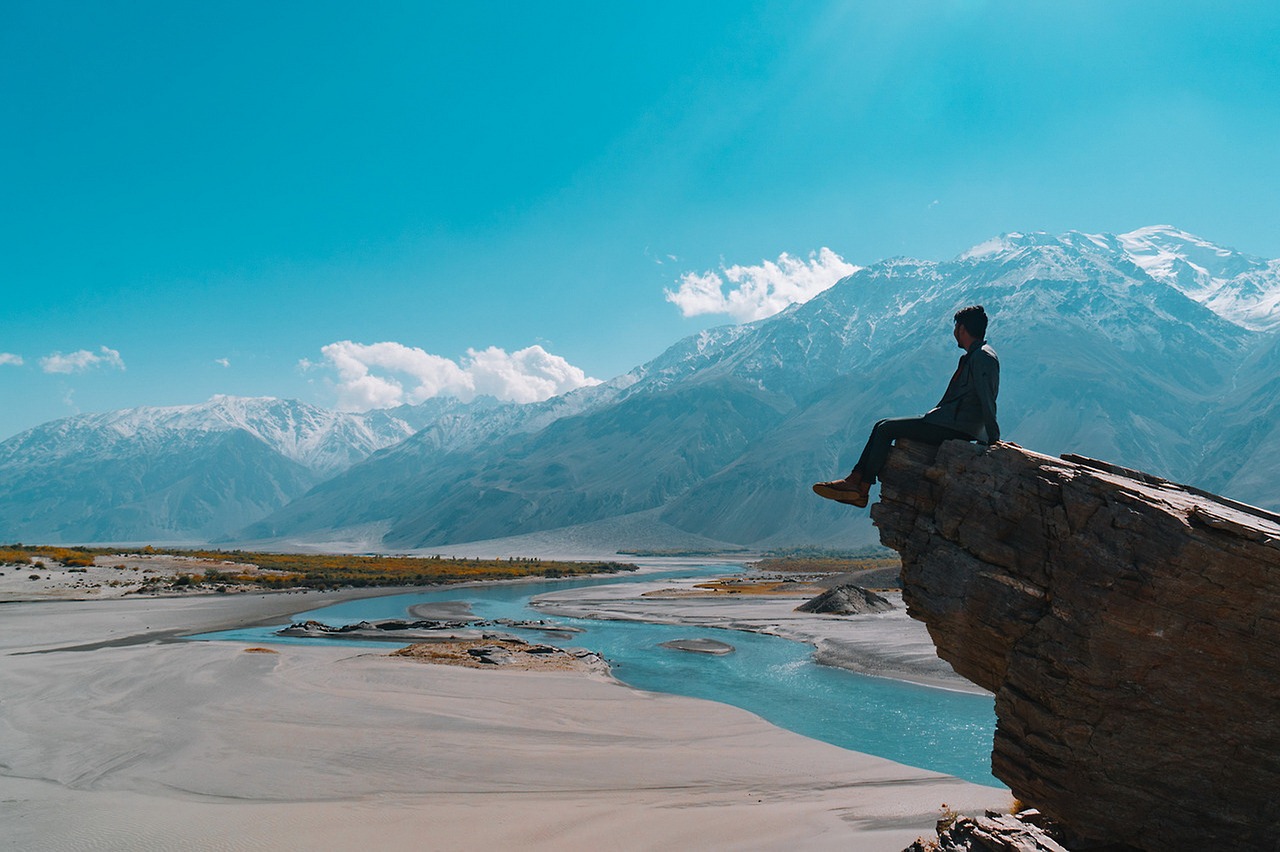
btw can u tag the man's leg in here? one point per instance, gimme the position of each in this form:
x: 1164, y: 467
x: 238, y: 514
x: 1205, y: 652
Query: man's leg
x: 854, y: 488
x: 876, y: 452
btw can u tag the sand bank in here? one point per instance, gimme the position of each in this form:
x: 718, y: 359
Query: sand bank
x: 111, y: 576
x: 140, y: 744
x: 503, y: 653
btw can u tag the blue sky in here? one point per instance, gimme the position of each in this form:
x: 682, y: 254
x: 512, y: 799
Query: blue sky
x: 199, y: 199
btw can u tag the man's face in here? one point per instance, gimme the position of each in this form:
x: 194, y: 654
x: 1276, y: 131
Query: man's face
x: 963, y: 338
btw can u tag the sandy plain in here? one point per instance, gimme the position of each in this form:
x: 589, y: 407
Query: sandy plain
x: 115, y: 734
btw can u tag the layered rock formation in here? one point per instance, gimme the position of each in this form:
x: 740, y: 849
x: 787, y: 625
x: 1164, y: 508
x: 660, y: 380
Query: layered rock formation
x: 1128, y: 626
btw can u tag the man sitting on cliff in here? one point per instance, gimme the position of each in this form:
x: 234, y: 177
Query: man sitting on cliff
x: 967, y: 411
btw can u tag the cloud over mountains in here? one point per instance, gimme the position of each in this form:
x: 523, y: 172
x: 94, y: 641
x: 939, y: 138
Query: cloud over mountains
x: 386, y: 374
x: 756, y: 292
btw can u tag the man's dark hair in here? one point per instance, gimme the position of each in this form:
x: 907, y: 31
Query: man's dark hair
x: 974, y: 320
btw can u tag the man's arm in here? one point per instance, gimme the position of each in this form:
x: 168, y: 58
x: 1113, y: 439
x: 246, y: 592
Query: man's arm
x: 986, y: 382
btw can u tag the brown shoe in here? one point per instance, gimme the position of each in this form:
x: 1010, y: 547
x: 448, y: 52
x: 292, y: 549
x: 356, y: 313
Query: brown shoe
x: 851, y: 491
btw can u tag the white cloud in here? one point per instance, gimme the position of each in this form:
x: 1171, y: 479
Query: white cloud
x: 760, y: 291
x: 530, y: 375
x: 81, y: 360
x: 222, y: 362
x: 381, y: 375
x: 10, y: 358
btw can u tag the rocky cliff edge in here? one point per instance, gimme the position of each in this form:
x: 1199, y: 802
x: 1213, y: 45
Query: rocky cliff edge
x: 1128, y: 626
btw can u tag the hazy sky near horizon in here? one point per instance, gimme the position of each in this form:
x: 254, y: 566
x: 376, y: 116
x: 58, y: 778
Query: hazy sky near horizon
x: 367, y: 205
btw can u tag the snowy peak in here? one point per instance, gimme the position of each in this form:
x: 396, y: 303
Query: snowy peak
x: 1009, y: 244
x: 323, y: 441
x: 1176, y: 257
x: 1240, y: 288
x: 1072, y: 256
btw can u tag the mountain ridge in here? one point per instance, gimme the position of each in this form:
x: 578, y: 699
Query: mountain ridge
x: 183, y: 473
x: 1116, y: 346
x: 1153, y: 357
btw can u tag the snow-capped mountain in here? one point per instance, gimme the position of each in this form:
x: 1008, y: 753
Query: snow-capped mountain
x: 1154, y: 349
x: 1238, y: 287
x: 720, y: 435
x: 188, y: 472
x: 320, y: 440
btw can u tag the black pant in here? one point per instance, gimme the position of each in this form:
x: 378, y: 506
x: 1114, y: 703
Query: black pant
x: 887, y: 431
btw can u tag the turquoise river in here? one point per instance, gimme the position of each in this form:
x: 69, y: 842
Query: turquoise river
x: 774, y: 678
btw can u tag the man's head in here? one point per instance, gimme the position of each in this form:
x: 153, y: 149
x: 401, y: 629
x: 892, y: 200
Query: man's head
x: 971, y: 325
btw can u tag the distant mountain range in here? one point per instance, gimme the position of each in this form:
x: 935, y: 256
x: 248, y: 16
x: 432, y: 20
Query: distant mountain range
x: 1154, y: 349
x: 180, y: 473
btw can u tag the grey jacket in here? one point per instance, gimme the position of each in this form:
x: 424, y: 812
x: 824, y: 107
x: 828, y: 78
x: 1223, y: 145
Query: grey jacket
x: 969, y: 404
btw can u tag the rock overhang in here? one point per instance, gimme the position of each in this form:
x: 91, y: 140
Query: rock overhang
x: 1126, y: 625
